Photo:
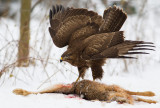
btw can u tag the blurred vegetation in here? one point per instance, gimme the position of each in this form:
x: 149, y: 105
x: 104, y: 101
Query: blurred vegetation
x: 7, y: 11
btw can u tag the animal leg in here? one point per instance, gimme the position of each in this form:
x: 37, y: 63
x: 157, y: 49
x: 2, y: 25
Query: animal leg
x: 120, y: 97
x: 145, y: 100
x: 97, y: 72
x: 147, y: 93
x: 78, y: 78
x: 23, y: 92
x: 96, y: 67
x: 81, y: 71
x: 59, y: 88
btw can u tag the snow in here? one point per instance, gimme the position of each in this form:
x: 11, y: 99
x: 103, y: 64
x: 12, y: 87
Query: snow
x: 141, y: 83
x: 45, y: 69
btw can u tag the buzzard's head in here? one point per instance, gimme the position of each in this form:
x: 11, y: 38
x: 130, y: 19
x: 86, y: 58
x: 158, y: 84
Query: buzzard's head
x: 68, y: 56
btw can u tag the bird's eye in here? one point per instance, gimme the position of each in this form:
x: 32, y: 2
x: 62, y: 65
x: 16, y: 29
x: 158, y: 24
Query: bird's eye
x: 68, y: 55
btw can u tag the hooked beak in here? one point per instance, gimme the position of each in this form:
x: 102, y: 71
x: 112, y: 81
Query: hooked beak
x: 61, y: 59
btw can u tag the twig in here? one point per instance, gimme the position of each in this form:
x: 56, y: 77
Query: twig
x: 39, y: 1
x: 47, y: 79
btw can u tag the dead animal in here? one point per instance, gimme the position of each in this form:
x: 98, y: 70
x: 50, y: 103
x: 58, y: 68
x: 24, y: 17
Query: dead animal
x: 92, y: 90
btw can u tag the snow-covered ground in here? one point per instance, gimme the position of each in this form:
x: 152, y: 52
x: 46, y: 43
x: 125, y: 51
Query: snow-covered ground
x: 147, y: 81
x: 45, y: 70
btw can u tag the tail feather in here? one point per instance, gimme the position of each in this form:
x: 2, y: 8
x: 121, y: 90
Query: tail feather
x: 126, y: 57
x: 125, y: 49
x: 136, y: 53
x: 144, y: 46
x: 142, y: 49
x: 134, y: 47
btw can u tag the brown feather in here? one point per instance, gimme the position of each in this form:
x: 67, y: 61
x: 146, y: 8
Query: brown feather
x: 100, y: 42
x: 91, y: 39
x: 114, y: 19
x: 84, y: 32
x: 125, y: 48
x: 65, y: 21
x: 96, y: 67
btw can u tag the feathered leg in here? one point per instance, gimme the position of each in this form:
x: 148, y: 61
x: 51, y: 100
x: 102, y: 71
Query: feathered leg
x: 81, y: 71
x: 96, y: 67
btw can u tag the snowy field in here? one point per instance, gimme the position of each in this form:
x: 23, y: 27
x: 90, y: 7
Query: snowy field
x: 45, y: 70
x: 145, y: 82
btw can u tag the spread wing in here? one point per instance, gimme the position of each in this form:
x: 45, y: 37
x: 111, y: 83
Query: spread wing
x: 66, y: 21
x: 96, y: 44
x: 114, y: 19
x: 83, y: 33
x: 112, y: 45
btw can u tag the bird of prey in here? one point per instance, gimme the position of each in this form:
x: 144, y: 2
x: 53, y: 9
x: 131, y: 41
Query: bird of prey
x: 92, y: 38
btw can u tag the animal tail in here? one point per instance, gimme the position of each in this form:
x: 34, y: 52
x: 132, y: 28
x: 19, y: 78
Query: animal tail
x: 147, y: 93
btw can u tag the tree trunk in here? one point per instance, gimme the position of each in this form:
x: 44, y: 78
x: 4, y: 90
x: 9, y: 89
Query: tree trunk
x: 23, y: 49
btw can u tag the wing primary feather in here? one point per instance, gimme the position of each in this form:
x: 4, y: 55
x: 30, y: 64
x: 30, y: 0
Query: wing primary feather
x: 53, y: 10
x: 57, y: 8
x: 50, y: 14
x: 62, y: 8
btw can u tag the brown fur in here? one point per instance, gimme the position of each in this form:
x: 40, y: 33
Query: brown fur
x: 91, y: 38
x: 92, y: 90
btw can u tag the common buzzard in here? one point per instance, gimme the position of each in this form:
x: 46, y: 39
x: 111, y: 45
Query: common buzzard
x: 92, y: 38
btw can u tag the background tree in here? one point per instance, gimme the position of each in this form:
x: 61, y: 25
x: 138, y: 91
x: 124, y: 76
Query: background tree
x: 23, y: 49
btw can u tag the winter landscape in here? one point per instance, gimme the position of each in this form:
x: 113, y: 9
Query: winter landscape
x: 44, y: 70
